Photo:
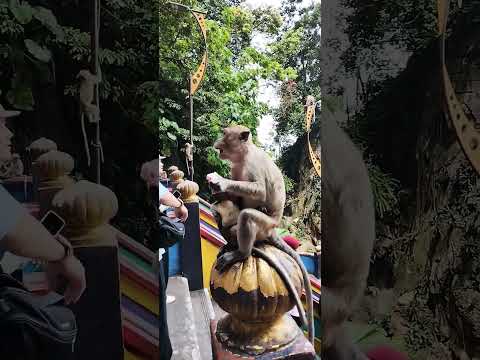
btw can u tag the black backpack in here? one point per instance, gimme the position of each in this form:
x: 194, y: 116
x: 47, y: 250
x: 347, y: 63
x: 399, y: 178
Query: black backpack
x: 34, y: 327
x: 166, y: 232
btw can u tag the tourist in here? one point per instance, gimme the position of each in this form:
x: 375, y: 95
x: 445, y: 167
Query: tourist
x: 151, y: 173
x: 23, y: 235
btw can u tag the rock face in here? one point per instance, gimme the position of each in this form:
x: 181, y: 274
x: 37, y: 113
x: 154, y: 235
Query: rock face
x: 434, y: 250
x: 431, y: 250
x: 303, y: 209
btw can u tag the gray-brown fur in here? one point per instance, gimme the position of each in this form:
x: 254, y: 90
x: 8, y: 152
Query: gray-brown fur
x: 348, y: 234
x: 86, y: 94
x: 86, y: 91
x: 258, y: 182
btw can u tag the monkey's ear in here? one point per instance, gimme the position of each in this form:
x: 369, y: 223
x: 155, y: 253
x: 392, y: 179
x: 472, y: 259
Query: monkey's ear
x: 244, y: 135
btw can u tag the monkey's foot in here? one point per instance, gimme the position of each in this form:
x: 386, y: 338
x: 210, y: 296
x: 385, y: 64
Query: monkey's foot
x: 228, y: 259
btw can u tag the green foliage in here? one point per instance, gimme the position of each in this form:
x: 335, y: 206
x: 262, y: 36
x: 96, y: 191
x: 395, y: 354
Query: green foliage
x: 297, y: 46
x: 289, y: 184
x: 27, y: 33
x: 373, y: 26
x: 230, y: 87
x: 267, y: 20
x: 385, y: 190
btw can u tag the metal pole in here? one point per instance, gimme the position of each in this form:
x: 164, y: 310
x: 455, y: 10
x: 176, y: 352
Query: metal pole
x: 95, y: 37
x: 191, y: 123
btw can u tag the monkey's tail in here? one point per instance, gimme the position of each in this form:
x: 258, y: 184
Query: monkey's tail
x: 281, y: 245
x: 85, y: 138
x: 286, y: 279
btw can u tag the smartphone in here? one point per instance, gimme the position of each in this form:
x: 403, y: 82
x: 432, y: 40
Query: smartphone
x: 53, y: 222
x: 177, y: 194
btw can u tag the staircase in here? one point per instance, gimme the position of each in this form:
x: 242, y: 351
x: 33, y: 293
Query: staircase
x: 189, y: 321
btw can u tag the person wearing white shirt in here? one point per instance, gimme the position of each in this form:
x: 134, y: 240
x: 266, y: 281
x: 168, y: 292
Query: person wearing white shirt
x: 23, y: 235
x: 151, y: 172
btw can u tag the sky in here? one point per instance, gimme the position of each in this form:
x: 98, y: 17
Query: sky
x: 268, y: 91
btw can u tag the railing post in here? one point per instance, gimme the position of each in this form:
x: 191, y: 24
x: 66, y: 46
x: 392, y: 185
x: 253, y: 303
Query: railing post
x: 191, y: 247
x: 53, y: 169
x: 87, y: 208
x: 36, y: 149
x: 176, y: 177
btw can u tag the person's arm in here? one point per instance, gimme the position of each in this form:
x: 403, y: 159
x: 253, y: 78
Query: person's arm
x: 29, y: 238
x: 23, y: 235
x: 166, y: 198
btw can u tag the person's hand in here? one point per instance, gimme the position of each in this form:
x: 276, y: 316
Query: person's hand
x: 181, y: 213
x: 73, y: 272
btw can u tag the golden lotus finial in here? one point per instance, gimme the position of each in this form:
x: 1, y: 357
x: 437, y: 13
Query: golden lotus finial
x: 41, y: 146
x: 189, y: 190
x: 177, y: 176
x: 87, y: 208
x: 54, y: 165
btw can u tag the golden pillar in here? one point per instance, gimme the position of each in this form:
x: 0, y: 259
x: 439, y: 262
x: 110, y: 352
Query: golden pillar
x: 53, y: 169
x: 36, y: 149
x: 176, y: 177
x: 87, y: 209
x: 189, y: 190
x: 40, y: 147
x: 256, y: 300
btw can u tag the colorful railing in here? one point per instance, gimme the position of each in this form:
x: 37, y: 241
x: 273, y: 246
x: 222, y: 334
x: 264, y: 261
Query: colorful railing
x: 139, y: 285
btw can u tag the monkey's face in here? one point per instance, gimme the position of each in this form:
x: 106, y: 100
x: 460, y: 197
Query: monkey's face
x: 233, y: 143
x: 309, y: 101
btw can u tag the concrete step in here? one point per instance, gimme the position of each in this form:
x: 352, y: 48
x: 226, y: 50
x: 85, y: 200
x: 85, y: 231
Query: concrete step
x: 181, y: 321
x: 203, y: 313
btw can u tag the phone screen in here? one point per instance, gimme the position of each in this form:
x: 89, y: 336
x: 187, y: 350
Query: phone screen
x: 53, y: 223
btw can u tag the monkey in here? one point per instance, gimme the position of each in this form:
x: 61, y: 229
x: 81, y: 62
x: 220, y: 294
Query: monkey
x: 188, y: 150
x: 310, y: 100
x: 348, y: 235
x: 86, y: 95
x: 226, y: 214
x: 258, y: 184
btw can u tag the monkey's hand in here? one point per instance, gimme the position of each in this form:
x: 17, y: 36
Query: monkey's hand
x: 216, y: 182
x: 228, y: 259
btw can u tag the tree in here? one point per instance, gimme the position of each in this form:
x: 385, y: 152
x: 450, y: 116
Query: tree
x: 228, y: 93
x: 297, y: 46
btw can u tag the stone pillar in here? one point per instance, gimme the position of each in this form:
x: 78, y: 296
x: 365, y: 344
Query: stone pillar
x: 191, y: 246
x: 87, y: 208
x: 36, y: 149
x: 53, y: 169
